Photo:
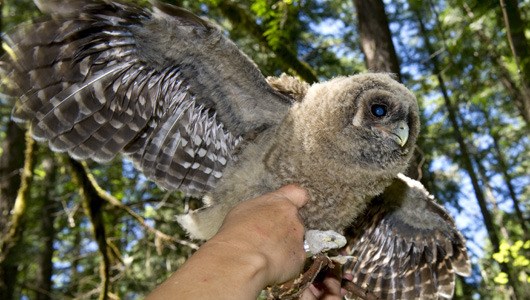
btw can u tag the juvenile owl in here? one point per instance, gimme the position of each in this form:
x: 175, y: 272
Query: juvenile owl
x: 192, y: 112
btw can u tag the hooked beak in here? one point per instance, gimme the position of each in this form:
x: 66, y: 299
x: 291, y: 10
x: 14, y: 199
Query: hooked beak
x: 399, y: 132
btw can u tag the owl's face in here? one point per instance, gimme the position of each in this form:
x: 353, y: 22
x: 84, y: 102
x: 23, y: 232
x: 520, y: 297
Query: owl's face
x: 368, y: 120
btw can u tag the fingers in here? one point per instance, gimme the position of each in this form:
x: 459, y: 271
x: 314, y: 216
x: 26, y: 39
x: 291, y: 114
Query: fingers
x: 269, y: 226
x: 308, y: 295
x: 295, y: 194
x: 328, y: 289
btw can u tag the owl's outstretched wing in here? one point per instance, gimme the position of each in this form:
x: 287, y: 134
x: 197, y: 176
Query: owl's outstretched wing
x: 162, y: 86
x: 407, y: 246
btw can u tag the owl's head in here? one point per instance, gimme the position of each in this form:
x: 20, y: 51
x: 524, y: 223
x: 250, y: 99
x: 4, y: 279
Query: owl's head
x: 368, y: 120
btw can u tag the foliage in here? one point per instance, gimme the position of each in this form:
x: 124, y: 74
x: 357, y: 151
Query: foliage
x: 479, y: 72
x: 511, y: 253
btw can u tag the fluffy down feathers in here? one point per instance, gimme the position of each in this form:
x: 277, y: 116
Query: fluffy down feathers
x: 194, y: 113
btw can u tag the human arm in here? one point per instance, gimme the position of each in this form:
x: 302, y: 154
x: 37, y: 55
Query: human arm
x: 259, y: 243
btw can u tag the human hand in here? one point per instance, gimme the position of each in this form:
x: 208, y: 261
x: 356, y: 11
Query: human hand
x: 269, y: 228
x: 260, y: 243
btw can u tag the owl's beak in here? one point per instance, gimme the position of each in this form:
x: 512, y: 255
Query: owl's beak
x: 400, y: 133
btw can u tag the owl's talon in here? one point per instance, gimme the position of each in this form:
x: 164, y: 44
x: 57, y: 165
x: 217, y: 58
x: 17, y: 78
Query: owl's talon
x: 322, y: 241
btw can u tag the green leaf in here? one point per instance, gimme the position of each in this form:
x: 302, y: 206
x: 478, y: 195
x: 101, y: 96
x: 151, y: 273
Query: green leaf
x: 502, y: 278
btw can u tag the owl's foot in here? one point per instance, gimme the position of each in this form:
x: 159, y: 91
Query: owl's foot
x: 316, y: 242
x: 321, y: 241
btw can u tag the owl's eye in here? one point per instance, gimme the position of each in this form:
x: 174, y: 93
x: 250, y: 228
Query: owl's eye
x: 379, y: 110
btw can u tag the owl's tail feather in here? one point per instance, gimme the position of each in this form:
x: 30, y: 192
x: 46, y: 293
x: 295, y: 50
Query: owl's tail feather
x: 203, y: 223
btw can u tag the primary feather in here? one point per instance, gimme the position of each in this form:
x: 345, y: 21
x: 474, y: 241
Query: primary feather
x: 194, y: 113
x: 110, y: 79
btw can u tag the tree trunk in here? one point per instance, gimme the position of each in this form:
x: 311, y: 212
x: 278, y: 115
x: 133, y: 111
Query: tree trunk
x: 376, y: 39
x: 93, y: 207
x: 45, y: 267
x: 11, y: 164
x: 465, y: 157
x: 515, y: 31
x: 73, y: 286
x: 517, y: 95
x: 491, y: 199
x: 11, y: 161
x: 523, y: 291
x: 508, y: 179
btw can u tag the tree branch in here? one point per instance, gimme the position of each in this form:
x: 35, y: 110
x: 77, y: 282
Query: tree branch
x: 19, y: 209
x: 93, y: 199
x: 522, y: 44
x: 93, y: 206
x: 117, y: 204
x: 294, y: 288
x: 240, y: 18
x: 357, y: 290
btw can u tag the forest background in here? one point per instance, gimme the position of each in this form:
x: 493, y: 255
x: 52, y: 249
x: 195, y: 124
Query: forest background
x: 84, y: 230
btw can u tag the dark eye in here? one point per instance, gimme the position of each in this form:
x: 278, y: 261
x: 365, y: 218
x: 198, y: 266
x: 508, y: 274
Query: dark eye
x: 379, y: 110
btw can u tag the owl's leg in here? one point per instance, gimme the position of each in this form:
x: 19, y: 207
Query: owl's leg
x: 321, y: 241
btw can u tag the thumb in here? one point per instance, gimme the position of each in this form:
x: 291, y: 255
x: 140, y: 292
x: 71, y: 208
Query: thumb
x: 297, y: 195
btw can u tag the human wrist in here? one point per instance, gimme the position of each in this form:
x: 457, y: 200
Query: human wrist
x: 253, y: 266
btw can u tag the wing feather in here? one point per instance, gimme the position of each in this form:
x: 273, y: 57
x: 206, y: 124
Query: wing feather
x: 162, y: 86
x: 407, y: 246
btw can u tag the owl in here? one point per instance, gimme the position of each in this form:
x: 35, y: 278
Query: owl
x: 170, y: 92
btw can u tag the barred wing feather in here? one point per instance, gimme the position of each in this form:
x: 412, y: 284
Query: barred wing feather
x: 119, y: 78
x: 399, y: 253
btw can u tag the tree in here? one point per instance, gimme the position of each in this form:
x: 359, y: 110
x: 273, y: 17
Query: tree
x: 11, y: 162
x: 45, y: 258
x: 520, y: 50
x: 375, y: 37
x: 467, y: 67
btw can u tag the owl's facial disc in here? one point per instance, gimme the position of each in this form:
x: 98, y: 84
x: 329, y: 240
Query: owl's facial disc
x: 386, y: 116
x: 398, y: 132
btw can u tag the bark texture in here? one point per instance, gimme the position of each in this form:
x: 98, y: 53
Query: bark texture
x: 376, y: 39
